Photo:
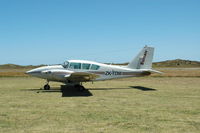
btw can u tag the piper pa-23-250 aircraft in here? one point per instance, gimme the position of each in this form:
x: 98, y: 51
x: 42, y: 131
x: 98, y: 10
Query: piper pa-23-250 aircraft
x: 74, y: 72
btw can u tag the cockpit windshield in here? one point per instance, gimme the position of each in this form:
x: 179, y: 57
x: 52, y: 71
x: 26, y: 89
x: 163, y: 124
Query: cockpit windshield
x: 66, y: 64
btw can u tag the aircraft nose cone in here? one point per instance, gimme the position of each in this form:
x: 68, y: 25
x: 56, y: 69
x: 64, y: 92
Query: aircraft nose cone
x: 32, y: 72
x: 28, y: 72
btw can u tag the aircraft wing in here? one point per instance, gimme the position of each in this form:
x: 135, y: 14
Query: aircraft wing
x: 81, y: 76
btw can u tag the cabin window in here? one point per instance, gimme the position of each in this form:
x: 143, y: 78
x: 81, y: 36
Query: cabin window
x: 95, y: 67
x: 75, y: 66
x: 85, y: 66
x: 66, y: 64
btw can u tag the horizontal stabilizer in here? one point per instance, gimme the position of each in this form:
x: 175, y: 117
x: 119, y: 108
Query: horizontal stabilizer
x: 155, y: 71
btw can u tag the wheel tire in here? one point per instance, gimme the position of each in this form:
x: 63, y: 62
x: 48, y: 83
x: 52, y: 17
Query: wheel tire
x: 79, y: 88
x: 47, y: 87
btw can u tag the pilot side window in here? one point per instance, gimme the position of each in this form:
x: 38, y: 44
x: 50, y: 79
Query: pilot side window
x: 85, y: 66
x: 95, y: 67
x: 65, y: 64
x: 75, y: 66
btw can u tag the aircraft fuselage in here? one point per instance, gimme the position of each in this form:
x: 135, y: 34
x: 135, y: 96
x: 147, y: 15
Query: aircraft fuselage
x: 105, y: 72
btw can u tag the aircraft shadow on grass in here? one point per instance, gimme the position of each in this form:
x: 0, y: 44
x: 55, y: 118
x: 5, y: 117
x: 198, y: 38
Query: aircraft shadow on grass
x: 72, y: 92
x: 142, y: 88
x: 65, y: 90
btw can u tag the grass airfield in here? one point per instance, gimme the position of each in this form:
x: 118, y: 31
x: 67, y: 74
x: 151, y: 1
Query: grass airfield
x: 148, y: 104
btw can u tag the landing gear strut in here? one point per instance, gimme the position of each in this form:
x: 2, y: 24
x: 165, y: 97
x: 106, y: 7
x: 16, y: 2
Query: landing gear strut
x: 47, y: 86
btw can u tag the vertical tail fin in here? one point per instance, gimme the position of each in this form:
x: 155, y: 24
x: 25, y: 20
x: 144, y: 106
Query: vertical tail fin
x: 143, y: 60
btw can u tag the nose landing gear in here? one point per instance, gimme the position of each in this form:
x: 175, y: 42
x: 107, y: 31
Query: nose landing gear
x: 47, y: 86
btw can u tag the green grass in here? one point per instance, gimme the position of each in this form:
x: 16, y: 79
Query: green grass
x: 169, y: 105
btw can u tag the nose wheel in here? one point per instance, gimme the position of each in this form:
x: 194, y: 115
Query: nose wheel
x: 47, y: 87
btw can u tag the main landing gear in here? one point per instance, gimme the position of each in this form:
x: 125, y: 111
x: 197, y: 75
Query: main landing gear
x: 79, y: 87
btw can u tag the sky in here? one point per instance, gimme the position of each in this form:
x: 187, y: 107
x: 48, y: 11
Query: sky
x: 34, y: 32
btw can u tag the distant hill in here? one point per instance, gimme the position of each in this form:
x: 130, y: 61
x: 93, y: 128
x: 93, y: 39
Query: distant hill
x: 178, y: 63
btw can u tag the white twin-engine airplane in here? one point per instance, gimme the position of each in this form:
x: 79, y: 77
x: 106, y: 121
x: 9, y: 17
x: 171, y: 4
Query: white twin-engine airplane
x: 74, y: 72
